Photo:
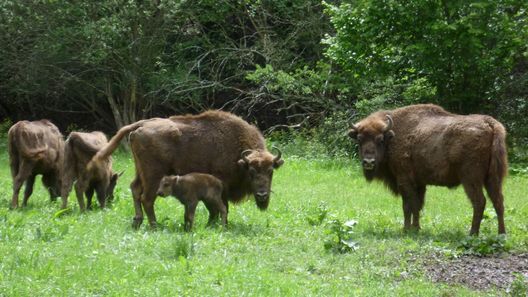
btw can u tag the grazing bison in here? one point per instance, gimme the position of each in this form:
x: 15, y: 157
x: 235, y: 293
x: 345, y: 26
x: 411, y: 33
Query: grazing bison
x: 79, y: 149
x: 418, y: 145
x: 213, y: 142
x: 35, y: 148
x: 191, y: 188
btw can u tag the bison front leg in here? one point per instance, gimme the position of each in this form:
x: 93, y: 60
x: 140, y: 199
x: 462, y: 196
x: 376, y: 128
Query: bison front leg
x: 411, y: 207
x: 406, y: 213
x: 100, y: 190
x: 190, y: 209
x: 475, y: 194
x: 89, y: 195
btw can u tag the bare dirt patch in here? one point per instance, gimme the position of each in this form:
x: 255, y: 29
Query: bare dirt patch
x: 479, y: 273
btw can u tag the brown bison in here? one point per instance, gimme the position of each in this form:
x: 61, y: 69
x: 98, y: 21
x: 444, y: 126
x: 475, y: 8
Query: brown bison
x: 213, y: 142
x: 191, y: 188
x: 411, y: 147
x: 35, y: 148
x: 79, y: 149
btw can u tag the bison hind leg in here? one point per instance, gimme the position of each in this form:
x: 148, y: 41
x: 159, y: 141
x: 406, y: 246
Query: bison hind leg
x: 137, y: 191
x: 30, y: 182
x: 478, y: 201
x: 494, y: 190
x: 24, y: 172
x: 213, y: 213
x: 52, y: 184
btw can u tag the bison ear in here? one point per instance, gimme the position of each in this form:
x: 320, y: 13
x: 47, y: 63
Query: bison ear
x: 389, y: 135
x: 352, y: 133
x: 278, y: 163
x: 242, y: 163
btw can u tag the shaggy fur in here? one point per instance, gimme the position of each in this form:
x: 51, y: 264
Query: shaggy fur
x: 211, y: 142
x: 191, y: 188
x: 35, y: 148
x: 79, y: 149
x: 427, y: 145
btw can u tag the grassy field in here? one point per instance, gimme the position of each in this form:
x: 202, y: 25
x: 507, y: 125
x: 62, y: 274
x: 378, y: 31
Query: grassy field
x: 280, y: 252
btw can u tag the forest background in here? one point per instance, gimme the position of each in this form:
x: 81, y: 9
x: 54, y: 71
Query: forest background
x: 298, y: 69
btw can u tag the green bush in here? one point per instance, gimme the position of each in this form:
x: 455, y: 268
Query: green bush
x: 483, y: 245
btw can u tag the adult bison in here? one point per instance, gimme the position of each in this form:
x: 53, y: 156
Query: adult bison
x: 418, y: 145
x: 79, y: 149
x: 35, y: 148
x: 213, y: 142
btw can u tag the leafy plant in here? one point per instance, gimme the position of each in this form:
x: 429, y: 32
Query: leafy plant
x: 341, y: 240
x: 519, y: 286
x: 317, y: 217
x: 483, y: 245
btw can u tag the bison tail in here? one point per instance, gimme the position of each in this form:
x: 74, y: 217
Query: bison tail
x: 112, y: 145
x: 498, y: 168
x: 14, y: 159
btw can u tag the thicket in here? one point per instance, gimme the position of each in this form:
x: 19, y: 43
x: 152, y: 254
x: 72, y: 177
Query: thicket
x: 299, y: 69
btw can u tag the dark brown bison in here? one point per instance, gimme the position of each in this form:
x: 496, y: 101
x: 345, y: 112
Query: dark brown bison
x: 35, y: 148
x: 418, y: 145
x: 191, y: 188
x: 214, y: 142
x: 79, y: 149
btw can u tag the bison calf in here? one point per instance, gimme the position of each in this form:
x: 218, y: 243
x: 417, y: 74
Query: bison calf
x: 35, y: 148
x: 411, y: 147
x: 194, y: 187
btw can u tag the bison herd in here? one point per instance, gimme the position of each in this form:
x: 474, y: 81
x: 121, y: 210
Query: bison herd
x: 216, y: 157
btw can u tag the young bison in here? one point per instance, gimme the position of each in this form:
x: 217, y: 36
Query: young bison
x: 35, y: 148
x: 194, y: 187
x: 79, y: 149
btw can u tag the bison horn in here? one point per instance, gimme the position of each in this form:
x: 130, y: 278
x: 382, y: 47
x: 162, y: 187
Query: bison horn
x: 279, y: 153
x: 352, y: 125
x: 244, y: 154
x: 389, y: 123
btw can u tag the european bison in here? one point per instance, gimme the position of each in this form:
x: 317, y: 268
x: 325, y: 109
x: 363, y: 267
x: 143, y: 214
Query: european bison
x: 191, y: 188
x: 418, y: 145
x: 79, y: 149
x: 35, y: 148
x: 213, y: 142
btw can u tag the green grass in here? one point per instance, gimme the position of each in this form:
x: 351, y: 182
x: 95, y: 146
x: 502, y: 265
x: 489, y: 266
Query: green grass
x: 279, y: 252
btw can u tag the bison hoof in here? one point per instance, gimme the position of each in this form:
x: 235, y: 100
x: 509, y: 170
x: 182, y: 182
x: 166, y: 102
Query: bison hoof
x: 411, y: 229
x: 136, y: 222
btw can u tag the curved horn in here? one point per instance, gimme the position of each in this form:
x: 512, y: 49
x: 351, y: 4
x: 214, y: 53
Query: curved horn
x: 279, y: 153
x: 389, y: 123
x: 244, y: 154
x: 352, y: 126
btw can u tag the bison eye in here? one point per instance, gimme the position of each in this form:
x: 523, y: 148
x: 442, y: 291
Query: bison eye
x: 252, y: 171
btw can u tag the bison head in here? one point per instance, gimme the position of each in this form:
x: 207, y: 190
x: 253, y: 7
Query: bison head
x: 373, y: 136
x: 258, y: 165
x: 111, y: 185
x: 165, y: 186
